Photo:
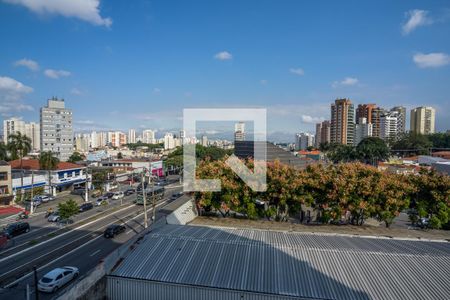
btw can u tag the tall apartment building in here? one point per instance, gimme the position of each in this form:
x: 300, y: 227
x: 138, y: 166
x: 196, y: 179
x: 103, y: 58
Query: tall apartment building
x: 31, y: 130
x: 391, y: 125
x: 204, y: 141
x: 401, y: 110
x: 169, y: 141
x: 117, y: 138
x: 322, y: 133
x: 342, y: 122
x: 377, y: 113
x: 363, y: 129
x: 56, y: 129
x: 365, y: 111
x: 148, y: 136
x: 423, y: 120
x: 132, y: 136
x: 82, y: 142
x: 239, y: 131
x: 304, y: 140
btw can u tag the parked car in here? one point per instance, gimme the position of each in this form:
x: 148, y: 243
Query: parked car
x: 65, y: 221
x: 86, y: 206
x: 109, y: 195
x: 101, y: 201
x: 176, y: 195
x: 37, y: 200
x: 117, y: 195
x: 113, y: 230
x: 56, y: 278
x: 15, y: 229
x: 54, y: 217
x: 129, y: 192
x: 46, y: 198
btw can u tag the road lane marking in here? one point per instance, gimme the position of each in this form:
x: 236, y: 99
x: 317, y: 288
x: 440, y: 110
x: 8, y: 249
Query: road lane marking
x: 95, y: 252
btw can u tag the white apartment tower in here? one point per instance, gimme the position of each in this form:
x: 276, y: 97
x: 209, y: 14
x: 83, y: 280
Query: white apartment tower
x: 391, y: 125
x: 56, y: 129
x: 362, y: 130
x: 148, y: 136
x: 423, y: 120
x: 239, y: 131
x: 31, y: 130
x: 169, y: 141
x: 131, y: 136
x: 304, y: 140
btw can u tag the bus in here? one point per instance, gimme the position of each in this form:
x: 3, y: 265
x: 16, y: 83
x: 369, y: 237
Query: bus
x: 157, y: 191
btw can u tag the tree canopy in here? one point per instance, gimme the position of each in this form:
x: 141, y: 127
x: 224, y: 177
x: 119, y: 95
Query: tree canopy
x: 67, y: 209
x: 47, y: 161
x: 75, y: 157
x: 19, y: 145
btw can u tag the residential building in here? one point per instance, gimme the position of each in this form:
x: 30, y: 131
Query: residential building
x: 31, y: 130
x: 131, y: 136
x: 303, y: 140
x: 423, y: 120
x: 204, y: 141
x: 169, y: 141
x: 56, y: 129
x: 6, y: 195
x: 362, y: 130
x: 183, y: 136
x: 342, y: 122
x: 82, y: 142
x: 239, y: 131
x: 117, y: 138
x: 365, y: 111
x: 377, y: 113
x: 322, y: 133
x: 402, y: 118
x: 148, y: 136
x: 391, y: 125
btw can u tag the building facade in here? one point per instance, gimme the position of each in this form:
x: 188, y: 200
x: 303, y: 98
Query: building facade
x: 391, y: 125
x: 401, y: 110
x: 322, y: 133
x: 169, y: 141
x: 31, y: 130
x: 365, y: 111
x: 131, y: 136
x: 377, y: 113
x: 363, y: 129
x: 304, y: 140
x: 117, y: 138
x: 148, y: 136
x: 342, y: 128
x: 6, y: 194
x: 56, y: 129
x: 423, y: 120
x: 239, y: 131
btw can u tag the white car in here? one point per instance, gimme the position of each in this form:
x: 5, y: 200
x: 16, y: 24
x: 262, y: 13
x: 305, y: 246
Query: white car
x: 46, y: 198
x: 56, y: 278
x: 117, y: 195
x: 54, y: 217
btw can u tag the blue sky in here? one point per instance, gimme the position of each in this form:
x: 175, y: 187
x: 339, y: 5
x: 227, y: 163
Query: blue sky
x: 137, y: 64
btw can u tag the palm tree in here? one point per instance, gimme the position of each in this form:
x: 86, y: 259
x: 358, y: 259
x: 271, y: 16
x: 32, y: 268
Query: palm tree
x: 48, y: 162
x: 3, y: 151
x: 19, y: 145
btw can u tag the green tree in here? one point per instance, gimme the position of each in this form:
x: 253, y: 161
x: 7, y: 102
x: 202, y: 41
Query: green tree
x: 19, y: 146
x: 342, y: 153
x: 67, y: 209
x: 3, y: 151
x: 371, y: 150
x: 440, y: 139
x: 49, y: 162
x: 75, y: 157
x: 119, y: 155
x: 412, y: 143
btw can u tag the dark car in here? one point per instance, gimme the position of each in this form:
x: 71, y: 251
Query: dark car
x: 129, y: 192
x: 109, y: 195
x: 113, y: 230
x: 15, y: 229
x: 176, y: 195
x: 86, y: 206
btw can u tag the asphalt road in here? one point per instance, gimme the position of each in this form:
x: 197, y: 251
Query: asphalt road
x: 82, y: 247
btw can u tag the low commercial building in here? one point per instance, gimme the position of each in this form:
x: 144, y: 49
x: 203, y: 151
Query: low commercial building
x: 6, y: 195
x: 198, y: 262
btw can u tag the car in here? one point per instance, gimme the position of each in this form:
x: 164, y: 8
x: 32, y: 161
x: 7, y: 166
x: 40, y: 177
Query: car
x: 101, y: 201
x: 86, y: 206
x: 129, y: 192
x: 56, y: 278
x: 36, y: 201
x: 176, y: 195
x: 109, y: 195
x: 54, y: 217
x: 113, y: 230
x: 65, y: 221
x: 15, y: 229
x: 117, y: 195
x: 46, y: 198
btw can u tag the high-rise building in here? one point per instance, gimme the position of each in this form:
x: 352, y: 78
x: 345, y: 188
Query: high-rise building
x: 82, y: 142
x: 365, y: 111
x: 131, y: 136
x: 423, y: 120
x: 304, y: 140
x: 322, y: 133
x: 377, y: 113
x: 402, y: 118
x: 117, y: 138
x: 56, y: 129
x: 239, y: 131
x: 390, y: 125
x: 31, y: 130
x: 362, y: 130
x: 342, y: 122
x: 169, y: 141
x: 148, y: 136
x: 204, y: 141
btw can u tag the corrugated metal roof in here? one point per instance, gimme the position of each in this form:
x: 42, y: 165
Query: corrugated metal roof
x: 293, y: 264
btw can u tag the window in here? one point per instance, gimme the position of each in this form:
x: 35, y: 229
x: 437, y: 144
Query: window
x: 3, y: 176
x: 4, y: 190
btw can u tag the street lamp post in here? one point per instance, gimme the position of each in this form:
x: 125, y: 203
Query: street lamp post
x: 86, y: 190
x: 144, y: 198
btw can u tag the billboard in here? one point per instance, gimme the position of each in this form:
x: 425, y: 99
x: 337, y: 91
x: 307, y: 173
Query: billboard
x: 157, y: 168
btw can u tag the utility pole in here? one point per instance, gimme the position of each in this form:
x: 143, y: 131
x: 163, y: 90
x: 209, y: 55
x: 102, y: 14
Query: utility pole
x: 144, y: 198
x: 36, y: 291
x: 153, y: 199
x: 32, y: 194
x: 86, y: 190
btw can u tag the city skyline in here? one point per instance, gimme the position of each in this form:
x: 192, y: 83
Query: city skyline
x: 295, y: 77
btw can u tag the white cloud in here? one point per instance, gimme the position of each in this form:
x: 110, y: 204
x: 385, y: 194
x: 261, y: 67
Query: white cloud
x: 12, y: 86
x: 347, y: 81
x: 297, y: 71
x: 431, y: 60
x: 86, y: 10
x: 224, y: 55
x: 311, y: 120
x: 28, y: 63
x: 76, y: 92
x: 416, y: 18
x: 11, y: 94
x: 56, y: 74
x: 263, y: 81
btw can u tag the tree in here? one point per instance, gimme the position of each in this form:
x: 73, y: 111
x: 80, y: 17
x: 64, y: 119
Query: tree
x: 48, y: 162
x: 342, y: 153
x: 75, y: 157
x: 3, y: 151
x: 19, y: 146
x: 440, y: 139
x: 119, y: 155
x: 372, y: 150
x: 412, y: 143
x: 67, y: 209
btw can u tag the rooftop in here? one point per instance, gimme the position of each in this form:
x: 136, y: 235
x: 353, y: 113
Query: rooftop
x: 33, y: 164
x: 292, y: 264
